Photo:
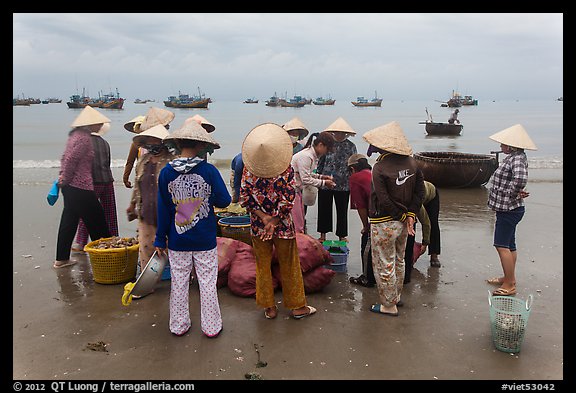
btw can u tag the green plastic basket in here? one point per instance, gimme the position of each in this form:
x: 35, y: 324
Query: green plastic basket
x: 335, y: 245
x: 508, y: 320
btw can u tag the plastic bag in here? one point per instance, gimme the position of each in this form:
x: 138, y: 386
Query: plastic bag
x: 52, y: 196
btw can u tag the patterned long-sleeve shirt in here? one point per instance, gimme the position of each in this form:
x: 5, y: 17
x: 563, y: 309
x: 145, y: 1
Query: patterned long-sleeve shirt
x: 273, y: 196
x: 335, y: 164
x: 507, y: 182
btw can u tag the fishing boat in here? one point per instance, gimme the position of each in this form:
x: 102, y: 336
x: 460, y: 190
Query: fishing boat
x: 441, y: 129
x: 81, y: 101
x: 186, y: 101
x: 469, y: 100
x: 111, y: 101
x: 296, y: 102
x: 139, y: 101
x: 361, y: 101
x: 251, y: 101
x: 323, y: 101
x: 273, y: 101
x: 456, y: 170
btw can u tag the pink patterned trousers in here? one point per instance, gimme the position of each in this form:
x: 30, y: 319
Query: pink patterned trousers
x: 205, y: 263
x: 388, y: 241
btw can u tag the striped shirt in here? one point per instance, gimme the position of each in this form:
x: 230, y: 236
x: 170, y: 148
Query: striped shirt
x: 508, y: 180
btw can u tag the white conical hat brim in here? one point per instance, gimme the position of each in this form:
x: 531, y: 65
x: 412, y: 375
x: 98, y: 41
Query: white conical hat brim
x: 156, y: 116
x: 267, y: 150
x: 515, y: 136
x: 340, y: 125
x: 389, y: 137
x: 89, y: 116
x: 133, y: 125
x: 158, y: 131
x: 296, y: 124
x: 195, y: 132
x: 209, y: 127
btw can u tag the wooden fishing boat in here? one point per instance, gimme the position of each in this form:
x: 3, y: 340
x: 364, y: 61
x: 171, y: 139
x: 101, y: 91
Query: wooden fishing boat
x: 456, y: 170
x: 323, y: 101
x: 185, y: 101
x: 291, y: 103
x: 443, y: 129
x: 251, y: 101
x: 111, y: 101
x: 273, y: 101
x: 361, y: 101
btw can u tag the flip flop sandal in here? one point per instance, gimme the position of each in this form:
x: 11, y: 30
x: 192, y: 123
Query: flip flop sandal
x: 495, y: 281
x: 377, y: 308
x: 68, y: 263
x: 504, y: 292
x: 272, y: 315
x: 311, y: 310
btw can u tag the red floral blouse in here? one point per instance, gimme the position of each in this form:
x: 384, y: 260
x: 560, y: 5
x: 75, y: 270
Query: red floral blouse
x: 274, y: 196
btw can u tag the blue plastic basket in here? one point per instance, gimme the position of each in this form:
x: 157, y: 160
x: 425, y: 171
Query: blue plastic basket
x: 340, y: 256
x: 508, y: 320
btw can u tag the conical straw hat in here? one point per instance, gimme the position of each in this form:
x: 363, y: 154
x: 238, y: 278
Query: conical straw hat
x: 389, y: 137
x: 515, y: 136
x: 158, y: 131
x: 156, y: 116
x: 133, y: 125
x: 340, y: 125
x: 193, y: 131
x: 89, y: 116
x: 209, y: 127
x: 296, y: 124
x: 267, y: 150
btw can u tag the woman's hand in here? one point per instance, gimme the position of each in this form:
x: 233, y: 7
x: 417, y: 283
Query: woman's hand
x: 410, y: 226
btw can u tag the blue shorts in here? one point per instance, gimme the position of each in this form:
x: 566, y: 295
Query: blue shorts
x: 505, y: 228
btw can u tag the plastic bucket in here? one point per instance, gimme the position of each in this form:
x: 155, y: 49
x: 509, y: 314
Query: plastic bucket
x: 508, y: 321
x: 340, y: 258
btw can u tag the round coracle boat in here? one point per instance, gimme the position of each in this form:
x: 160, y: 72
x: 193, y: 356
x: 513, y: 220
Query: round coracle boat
x: 456, y: 170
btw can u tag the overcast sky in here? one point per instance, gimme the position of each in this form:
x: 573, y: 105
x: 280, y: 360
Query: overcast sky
x: 236, y: 56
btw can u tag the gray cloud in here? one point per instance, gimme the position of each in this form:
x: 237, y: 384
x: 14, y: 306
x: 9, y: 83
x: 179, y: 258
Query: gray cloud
x: 233, y: 56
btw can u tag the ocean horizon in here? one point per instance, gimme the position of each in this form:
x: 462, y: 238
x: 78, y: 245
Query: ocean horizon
x: 40, y: 131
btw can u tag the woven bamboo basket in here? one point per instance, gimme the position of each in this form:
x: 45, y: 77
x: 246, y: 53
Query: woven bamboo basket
x: 112, y: 265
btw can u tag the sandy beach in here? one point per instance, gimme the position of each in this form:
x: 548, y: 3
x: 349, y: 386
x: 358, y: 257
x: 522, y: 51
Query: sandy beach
x: 442, y: 333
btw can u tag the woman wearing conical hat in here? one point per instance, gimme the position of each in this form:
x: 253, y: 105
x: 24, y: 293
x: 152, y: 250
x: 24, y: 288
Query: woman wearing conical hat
x: 144, y: 200
x: 153, y: 117
x: 77, y: 185
x: 396, y: 198
x: 506, y: 198
x: 334, y: 164
x: 268, y: 194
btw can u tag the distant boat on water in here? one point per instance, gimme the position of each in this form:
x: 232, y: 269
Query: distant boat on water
x: 361, y: 101
x: 139, y: 101
x: 273, y: 100
x: 187, y: 101
x: 251, y: 101
x: 323, y: 101
x: 106, y: 101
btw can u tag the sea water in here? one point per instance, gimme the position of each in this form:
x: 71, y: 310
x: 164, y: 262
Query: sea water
x: 40, y: 131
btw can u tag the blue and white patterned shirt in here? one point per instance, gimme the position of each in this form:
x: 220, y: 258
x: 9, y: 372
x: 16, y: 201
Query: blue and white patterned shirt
x: 507, y: 182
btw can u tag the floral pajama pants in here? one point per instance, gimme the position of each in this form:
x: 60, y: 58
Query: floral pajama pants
x: 205, y: 263
x: 388, y: 241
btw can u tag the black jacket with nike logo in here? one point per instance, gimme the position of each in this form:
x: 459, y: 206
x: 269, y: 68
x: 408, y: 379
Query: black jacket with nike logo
x: 397, y: 188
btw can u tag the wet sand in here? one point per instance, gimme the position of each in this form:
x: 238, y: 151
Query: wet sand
x: 442, y: 333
